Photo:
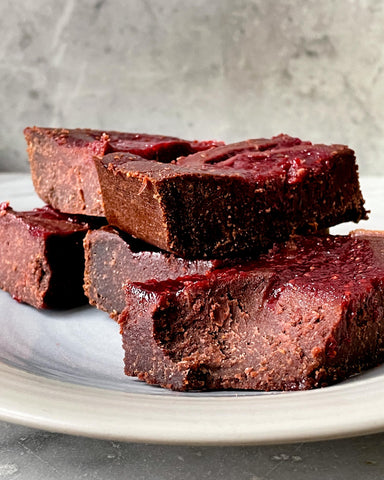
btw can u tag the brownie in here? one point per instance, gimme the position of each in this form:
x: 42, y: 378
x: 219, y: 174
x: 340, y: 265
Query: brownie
x: 42, y: 256
x: 113, y: 258
x: 234, y: 200
x: 63, y: 172
x: 307, y: 314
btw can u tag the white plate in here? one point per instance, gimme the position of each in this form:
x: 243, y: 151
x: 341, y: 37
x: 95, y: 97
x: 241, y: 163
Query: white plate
x: 63, y: 372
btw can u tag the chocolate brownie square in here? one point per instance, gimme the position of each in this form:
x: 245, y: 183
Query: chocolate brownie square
x: 42, y: 256
x: 233, y: 200
x: 307, y: 314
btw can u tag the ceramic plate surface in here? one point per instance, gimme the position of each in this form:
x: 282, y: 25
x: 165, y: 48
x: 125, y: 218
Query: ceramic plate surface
x: 63, y: 372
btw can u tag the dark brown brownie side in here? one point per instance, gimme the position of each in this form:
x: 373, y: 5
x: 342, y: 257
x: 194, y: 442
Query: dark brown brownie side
x: 63, y: 171
x: 236, y: 204
x: 113, y: 258
x: 308, y: 314
x: 42, y: 256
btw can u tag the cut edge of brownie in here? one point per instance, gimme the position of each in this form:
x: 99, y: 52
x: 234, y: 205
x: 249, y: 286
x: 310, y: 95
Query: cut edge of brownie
x: 62, y: 172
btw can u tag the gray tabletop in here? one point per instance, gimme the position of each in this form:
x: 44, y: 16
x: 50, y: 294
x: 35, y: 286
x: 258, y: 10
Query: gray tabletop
x: 29, y: 454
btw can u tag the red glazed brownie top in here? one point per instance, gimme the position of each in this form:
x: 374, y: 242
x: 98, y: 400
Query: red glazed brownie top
x: 150, y: 146
x: 99, y: 142
x: 333, y: 266
x: 160, y: 288
x: 336, y: 265
x: 225, y: 152
x: 263, y: 159
x: 95, y: 141
x: 46, y: 221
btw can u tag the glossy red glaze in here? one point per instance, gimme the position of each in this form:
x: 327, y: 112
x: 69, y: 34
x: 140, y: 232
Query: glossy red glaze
x: 224, y: 152
x: 46, y: 221
x: 150, y: 147
x: 281, y: 156
x: 334, y: 266
x: 153, y: 147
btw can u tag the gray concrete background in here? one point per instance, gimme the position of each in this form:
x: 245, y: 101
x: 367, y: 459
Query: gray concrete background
x: 28, y: 454
x: 227, y: 69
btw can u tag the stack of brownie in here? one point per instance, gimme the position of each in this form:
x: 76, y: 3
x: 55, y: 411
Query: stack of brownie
x: 213, y: 258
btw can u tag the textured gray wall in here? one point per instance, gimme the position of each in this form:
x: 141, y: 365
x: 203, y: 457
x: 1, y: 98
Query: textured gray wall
x: 227, y: 69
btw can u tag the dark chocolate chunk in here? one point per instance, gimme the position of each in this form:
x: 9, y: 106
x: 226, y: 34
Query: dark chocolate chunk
x: 235, y: 200
x: 62, y: 168
x: 307, y: 314
x: 42, y: 256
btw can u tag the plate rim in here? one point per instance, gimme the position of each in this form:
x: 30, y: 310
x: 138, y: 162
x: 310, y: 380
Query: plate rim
x: 182, y: 420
